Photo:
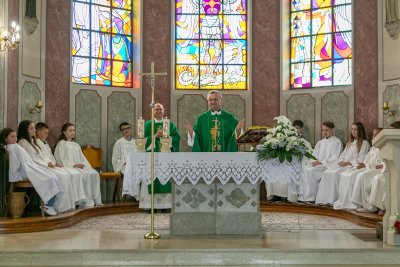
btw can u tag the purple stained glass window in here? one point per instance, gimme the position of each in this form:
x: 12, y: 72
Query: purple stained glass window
x: 320, y: 43
x: 211, y: 44
x: 102, y: 43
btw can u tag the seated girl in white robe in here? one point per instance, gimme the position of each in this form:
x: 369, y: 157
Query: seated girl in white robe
x: 327, y: 152
x: 373, y: 165
x: 354, y: 153
x: 26, y: 139
x: 23, y: 167
x: 69, y: 154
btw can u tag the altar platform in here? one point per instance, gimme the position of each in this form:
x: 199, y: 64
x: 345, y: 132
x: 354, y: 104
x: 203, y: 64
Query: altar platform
x: 294, y: 246
x: 129, y: 248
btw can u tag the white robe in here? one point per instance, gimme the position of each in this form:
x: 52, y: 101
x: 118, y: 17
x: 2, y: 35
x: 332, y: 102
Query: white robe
x: 22, y: 167
x: 64, y: 201
x: 329, y: 185
x: 363, y: 183
x: 70, y: 153
x: 77, y: 190
x: 349, y: 177
x: 377, y: 196
x: 121, y: 150
x: 327, y: 151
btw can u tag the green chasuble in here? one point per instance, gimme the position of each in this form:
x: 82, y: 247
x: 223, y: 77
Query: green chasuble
x: 174, y: 134
x: 215, y: 133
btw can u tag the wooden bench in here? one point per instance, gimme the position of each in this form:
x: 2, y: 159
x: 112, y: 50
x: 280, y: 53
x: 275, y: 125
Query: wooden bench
x: 95, y: 157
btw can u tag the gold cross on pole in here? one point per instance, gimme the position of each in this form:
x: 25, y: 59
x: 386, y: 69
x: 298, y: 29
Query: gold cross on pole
x: 152, y: 76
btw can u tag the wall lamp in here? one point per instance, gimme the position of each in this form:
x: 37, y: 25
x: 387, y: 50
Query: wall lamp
x: 387, y: 110
x: 38, y: 107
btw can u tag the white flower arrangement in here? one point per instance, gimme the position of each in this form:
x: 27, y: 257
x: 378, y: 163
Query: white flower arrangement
x: 283, y: 142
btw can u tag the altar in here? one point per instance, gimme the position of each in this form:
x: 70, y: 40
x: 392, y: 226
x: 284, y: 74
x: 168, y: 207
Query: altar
x: 213, y: 192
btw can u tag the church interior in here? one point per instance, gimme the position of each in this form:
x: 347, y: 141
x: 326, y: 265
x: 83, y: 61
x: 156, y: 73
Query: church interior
x: 102, y: 67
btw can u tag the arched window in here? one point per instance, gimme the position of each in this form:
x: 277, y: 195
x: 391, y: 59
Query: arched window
x: 103, y: 33
x: 321, y: 46
x: 211, y: 44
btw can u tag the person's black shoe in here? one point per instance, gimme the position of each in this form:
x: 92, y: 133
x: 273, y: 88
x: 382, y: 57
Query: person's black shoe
x: 275, y: 199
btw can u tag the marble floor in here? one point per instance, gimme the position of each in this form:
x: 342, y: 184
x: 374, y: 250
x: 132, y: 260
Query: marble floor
x: 270, y: 221
x: 325, y: 242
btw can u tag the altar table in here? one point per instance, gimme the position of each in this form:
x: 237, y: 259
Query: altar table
x: 213, y: 193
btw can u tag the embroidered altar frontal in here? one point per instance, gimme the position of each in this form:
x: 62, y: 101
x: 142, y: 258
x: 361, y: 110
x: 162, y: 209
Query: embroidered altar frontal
x: 216, y: 208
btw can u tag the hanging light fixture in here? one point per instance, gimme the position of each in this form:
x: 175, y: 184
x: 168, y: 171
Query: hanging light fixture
x: 10, y: 38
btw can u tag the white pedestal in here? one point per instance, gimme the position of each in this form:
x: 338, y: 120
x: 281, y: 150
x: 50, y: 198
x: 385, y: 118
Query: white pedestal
x: 388, y: 142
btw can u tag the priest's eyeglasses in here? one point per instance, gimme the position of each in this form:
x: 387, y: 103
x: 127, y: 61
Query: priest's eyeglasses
x: 213, y: 99
x: 125, y: 128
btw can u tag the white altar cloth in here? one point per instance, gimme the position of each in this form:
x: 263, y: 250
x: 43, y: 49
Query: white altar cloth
x: 207, y: 166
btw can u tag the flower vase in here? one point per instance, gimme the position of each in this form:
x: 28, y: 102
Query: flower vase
x: 16, y: 203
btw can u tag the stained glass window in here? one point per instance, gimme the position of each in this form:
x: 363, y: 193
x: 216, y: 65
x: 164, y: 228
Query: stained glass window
x: 211, y: 44
x: 320, y: 43
x: 103, y: 36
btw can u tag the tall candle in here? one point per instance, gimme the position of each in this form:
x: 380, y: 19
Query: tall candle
x: 140, y: 127
x: 165, y: 127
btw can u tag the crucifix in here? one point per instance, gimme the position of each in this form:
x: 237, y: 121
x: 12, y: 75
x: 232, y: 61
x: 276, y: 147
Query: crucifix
x: 152, y: 76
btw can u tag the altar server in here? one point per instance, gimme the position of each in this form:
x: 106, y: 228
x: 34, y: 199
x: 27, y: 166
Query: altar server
x: 27, y: 139
x: 69, y: 154
x: 327, y: 152
x: 77, y: 179
x: 122, y: 148
x: 21, y: 166
x: 354, y: 153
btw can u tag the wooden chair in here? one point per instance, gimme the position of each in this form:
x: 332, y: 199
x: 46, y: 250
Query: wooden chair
x: 95, y: 157
x: 23, y: 184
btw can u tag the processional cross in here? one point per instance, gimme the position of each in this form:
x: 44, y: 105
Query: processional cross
x: 152, y: 76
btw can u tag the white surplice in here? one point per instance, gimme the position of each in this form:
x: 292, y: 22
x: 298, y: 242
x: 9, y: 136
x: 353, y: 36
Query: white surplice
x: 77, y: 192
x: 68, y: 154
x: 327, y: 151
x: 22, y: 167
x: 377, y: 196
x: 363, y: 183
x: 329, y: 186
x: 65, y: 200
x: 122, y: 148
x: 349, y: 177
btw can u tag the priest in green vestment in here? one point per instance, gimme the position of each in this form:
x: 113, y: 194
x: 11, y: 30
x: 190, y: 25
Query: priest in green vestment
x: 215, y: 130
x: 158, y: 132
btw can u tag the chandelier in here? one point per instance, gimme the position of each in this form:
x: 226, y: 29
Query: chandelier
x: 9, y: 38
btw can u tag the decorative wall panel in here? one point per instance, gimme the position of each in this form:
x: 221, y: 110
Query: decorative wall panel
x: 189, y: 108
x: 30, y: 94
x: 392, y: 96
x: 88, y: 118
x: 334, y: 108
